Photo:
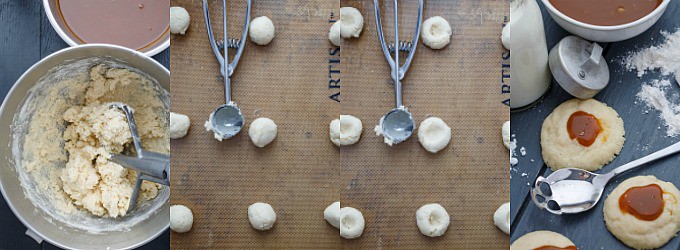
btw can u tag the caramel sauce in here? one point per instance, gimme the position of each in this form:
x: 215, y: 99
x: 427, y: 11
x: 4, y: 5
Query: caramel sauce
x: 135, y: 24
x: 606, y: 12
x: 584, y: 127
x: 556, y: 248
x: 645, y: 203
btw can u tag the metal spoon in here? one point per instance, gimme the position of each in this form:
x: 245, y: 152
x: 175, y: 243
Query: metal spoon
x: 573, y: 190
x: 397, y: 125
x: 227, y: 120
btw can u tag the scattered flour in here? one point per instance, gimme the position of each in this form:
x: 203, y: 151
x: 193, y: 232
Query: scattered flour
x: 666, y: 59
x: 513, y: 146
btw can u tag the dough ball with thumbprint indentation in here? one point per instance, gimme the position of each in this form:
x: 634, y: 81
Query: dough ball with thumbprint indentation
x: 432, y: 220
x: 436, y: 32
x: 351, y: 223
x: 434, y: 134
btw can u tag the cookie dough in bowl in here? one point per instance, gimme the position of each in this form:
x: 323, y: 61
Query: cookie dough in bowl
x: 542, y: 240
x: 61, y: 136
x: 585, y: 134
x: 643, y: 212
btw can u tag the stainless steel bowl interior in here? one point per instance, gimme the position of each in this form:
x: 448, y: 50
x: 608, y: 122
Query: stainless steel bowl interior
x: 34, y: 217
x: 52, y: 12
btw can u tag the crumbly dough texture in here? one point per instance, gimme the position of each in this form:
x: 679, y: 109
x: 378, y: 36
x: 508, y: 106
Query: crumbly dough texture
x: 505, y: 133
x: 640, y: 234
x: 432, y: 220
x: 181, y: 218
x: 434, y: 134
x: 93, y: 131
x: 560, y: 151
x: 262, y: 30
x: 179, y: 125
x: 501, y: 218
x: 261, y: 216
x: 262, y: 131
x: 179, y: 20
x: 538, y: 239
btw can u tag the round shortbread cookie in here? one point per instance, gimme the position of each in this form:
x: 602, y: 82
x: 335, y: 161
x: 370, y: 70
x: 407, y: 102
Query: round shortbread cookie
x: 561, y: 151
x: 538, y: 239
x: 642, y: 234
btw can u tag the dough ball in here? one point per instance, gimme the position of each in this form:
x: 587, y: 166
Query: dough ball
x: 560, y: 151
x: 505, y: 36
x: 351, y: 22
x: 261, y: 30
x: 346, y: 130
x: 434, y: 134
x: 179, y: 20
x: 332, y: 214
x: 642, y: 234
x: 351, y: 223
x: 179, y: 125
x: 261, y: 216
x: 334, y: 34
x: 436, y: 32
x: 262, y: 131
x: 432, y: 220
x: 181, y: 218
x: 538, y: 239
x: 501, y: 218
x: 505, y: 132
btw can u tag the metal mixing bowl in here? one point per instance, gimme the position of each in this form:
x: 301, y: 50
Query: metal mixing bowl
x: 59, y: 25
x: 38, y: 221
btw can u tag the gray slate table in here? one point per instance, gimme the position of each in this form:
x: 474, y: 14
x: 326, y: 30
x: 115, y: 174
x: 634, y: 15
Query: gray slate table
x: 26, y: 36
x: 645, y: 133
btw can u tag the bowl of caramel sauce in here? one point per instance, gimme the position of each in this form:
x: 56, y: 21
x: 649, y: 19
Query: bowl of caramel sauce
x: 606, y: 20
x: 141, y: 25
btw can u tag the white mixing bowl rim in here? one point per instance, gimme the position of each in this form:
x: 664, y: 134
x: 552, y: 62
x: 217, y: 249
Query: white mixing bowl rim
x: 3, y: 107
x: 656, y: 11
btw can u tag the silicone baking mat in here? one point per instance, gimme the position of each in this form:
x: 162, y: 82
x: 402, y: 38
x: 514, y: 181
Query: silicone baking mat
x: 287, y: 81
x: 462, y: 84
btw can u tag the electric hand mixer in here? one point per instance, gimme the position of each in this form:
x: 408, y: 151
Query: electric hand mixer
x: 150, y: 166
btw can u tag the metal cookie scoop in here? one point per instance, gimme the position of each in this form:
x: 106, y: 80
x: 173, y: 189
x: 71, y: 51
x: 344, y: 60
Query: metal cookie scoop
x: 150, y: 166
x: 573, y: 190
x: 227, y: 120
x: 397, y: 125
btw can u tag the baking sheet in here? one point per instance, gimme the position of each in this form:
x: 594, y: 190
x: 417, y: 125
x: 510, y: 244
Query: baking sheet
x: 287, y: 81
x: 462, y: 84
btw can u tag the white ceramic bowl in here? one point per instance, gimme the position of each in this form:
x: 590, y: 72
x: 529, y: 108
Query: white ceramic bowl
x: 599, y: 33
x: 51, y: 10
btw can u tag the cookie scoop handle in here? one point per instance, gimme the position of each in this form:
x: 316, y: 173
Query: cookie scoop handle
x: 670, y: 150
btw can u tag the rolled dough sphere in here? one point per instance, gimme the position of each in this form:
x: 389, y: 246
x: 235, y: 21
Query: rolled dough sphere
x: 352, y: 23
x: 642, y: 234
x: 334, y: 34
x: 561, y: 151
x: 179, y: 125
x: 262, y: 30
x: 501, y: 218
x: 261, y: 216
x: 351, y: 223
x: 538, y: 239
x: 434, y: 134
x: 179, y: 20
x: 181, y: 218
x: 436, y: 32
x: 505, y: 133
x: 262, y: 131
x: 432, y: 220
x: 332, y: 214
